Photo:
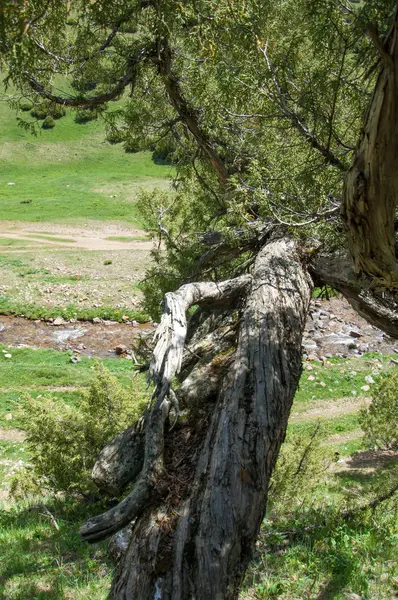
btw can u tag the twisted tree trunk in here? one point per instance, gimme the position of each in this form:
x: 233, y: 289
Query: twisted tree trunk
x: 206, y: 487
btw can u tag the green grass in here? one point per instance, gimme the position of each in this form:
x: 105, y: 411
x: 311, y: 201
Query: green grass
x: 39, y: 562
x: 50, y: 238
x: 70, y: 173
x: 121, y: 238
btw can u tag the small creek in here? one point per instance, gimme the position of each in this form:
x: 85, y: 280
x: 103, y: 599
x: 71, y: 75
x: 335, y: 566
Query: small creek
x: 333, y: 329
x: 99, y: 339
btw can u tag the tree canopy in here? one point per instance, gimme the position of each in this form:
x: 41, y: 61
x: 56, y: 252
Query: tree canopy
x: 262, y: 103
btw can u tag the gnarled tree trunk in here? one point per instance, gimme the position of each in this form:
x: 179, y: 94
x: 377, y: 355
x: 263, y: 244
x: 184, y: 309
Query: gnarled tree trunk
x: 371, y: 188
x: 206, y: 496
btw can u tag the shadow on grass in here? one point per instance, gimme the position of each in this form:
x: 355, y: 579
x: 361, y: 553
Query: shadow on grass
x: 39, y: 561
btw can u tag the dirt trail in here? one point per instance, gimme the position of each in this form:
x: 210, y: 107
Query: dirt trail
x: 324, y: 409
x: 12, y: 435
x: 89, y: 237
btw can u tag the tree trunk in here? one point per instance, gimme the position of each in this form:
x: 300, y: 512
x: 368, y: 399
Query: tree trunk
x: 193, y: 537
x: 371, y: 188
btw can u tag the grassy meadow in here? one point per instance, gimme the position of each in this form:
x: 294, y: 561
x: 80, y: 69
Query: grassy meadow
x: 70, y: 174
x: 70, y: 233
x: 357, y: 556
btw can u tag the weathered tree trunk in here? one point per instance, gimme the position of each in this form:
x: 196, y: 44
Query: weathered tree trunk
x: 371, y: 188
x: 193, y: 537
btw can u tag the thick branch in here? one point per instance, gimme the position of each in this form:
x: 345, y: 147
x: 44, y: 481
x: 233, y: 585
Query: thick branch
x: 80, y: 101
x: 166, y: 363
x: 188, y: 114
x: 379, y: 308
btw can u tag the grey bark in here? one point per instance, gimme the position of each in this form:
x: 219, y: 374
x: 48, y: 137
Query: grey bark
x: 371, y: 188
x: 380, y: 308
x: 194, y: 537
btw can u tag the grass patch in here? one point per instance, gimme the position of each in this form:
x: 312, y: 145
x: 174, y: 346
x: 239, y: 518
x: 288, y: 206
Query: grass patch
x: 37, y: 561
x: 77, y: 175
x: 50, y: 238
x: 72, y: 311
x: 121, y: 238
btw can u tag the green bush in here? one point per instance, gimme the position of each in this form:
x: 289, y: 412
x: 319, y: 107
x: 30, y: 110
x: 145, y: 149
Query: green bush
x: 380, y: 420
x: 25, y: 105
x: 39, y: 112
x: 86, y: 115
x: 115, y: 137
x: 301, y: 460
x: 64, y: 441
x: 48, y: 123
x: 57, y: 111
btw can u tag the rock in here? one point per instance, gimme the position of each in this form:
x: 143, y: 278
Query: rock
x: 311, y: 378
x: 58, y: 321
x: 134, y: 323
x: 355, y: 334
x: 96, y: 320
x: 75, y: 359
x: 365, y: 388
x: 322, y: 384
x: 8, y: 417
x: 121, y: 349
x: 309, y: 368
x: 369, y: 379
x: 312, y: 357
x: 125, y: 318
x: 7, y: 355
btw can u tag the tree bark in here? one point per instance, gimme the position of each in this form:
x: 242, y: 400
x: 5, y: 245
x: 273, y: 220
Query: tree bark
x: 371, y: 188
x: 193, y: 537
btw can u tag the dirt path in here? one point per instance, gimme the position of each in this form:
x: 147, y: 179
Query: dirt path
x: 329, y: 409
x: 11, y: 435
x: 88, y: 237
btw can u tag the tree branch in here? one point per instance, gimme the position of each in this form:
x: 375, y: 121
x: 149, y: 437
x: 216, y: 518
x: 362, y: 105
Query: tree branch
x: 166, y: 363
x: 163, y: 62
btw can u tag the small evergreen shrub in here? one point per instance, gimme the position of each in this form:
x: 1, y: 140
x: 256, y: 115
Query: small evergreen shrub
x: 64, y: 441
x: 39, y: 112
x: 86, y: 115
x: 25, y: 105
x: 379, y: 421
x: 57, y: 111
x: 115, y: 137
x: 48, y: 123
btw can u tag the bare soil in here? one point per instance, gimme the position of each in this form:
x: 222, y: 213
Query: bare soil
x: 90, y: 237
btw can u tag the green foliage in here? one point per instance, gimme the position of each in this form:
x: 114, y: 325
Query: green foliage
x: 48, y: 123
x: 64, y: 441
x: 301, y: 459
x: 380, y: 420
x: 86, y: 115
x: 25, y: 105
x: 39, y: 112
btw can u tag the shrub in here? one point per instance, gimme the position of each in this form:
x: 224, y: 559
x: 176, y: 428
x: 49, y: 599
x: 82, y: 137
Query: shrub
x: 48, y: 123
x: 57, y: 111
x: 64, y: 441
x: 39, y: 112
x: 115, y: 137
x: 25, y: 105
x: 84, y: 116
x: 107, y: 262
x: 380, y: 420
x: 301, y: 460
